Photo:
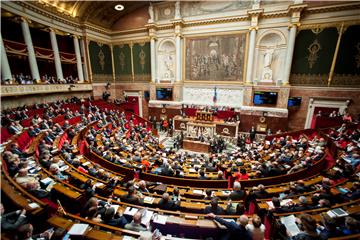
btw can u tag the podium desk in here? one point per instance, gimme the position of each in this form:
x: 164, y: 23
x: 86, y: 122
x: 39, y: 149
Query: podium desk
x: 196, y: 146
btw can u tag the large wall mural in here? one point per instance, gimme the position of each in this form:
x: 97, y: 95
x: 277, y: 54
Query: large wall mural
x: 101, y: 64
x: 215, y: 58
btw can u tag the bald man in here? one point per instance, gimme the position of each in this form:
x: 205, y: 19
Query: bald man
x: 136, y: 225
x: 235, y: 231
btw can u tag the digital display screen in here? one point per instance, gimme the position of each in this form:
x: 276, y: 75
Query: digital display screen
x: 268, y: 98
x: 164, y: 94
x: 294, y: 102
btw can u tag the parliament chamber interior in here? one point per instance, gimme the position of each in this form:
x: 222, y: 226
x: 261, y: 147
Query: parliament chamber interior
x: 180, y: 120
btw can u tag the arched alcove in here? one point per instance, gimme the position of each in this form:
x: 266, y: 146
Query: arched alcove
x: 166, y: 64
x: 270, y: 55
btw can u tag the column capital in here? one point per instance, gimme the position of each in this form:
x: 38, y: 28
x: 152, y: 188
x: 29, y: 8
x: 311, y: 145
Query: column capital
x: 75, y: 36
x: 295, y: 24
x: 24, y: 19
x: 178, y: 35
x: 152, y: 37
x: 253, y: 28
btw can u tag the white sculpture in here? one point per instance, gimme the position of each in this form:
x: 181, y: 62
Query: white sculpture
x: 177, y: 10
x: 267, y: 72
x: 151, y: 13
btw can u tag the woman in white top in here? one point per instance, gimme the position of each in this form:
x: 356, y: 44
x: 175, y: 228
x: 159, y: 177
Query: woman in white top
x: 256, y: 228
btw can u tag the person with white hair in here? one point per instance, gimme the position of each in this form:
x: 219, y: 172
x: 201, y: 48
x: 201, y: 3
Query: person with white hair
x: 235, y: 231
x: 55, y: 170
x: 237, y: 194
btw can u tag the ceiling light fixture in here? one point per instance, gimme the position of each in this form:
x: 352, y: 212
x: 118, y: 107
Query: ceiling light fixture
x: 119, y: 7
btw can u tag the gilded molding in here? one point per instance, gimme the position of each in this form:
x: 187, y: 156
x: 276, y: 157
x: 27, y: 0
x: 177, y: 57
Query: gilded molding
x: 337, y: 24
x: 333, y: 8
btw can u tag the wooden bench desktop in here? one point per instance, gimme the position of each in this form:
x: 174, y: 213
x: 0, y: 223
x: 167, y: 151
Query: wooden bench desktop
x: 196, y: 146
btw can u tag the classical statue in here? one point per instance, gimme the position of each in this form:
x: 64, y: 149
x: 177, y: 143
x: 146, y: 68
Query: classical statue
x: 268, y: 58
x: 151, y: 13
x: 267, y: 71
x: 177, y: 10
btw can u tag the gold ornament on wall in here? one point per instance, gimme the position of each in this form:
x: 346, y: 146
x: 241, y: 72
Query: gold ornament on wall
x: 317, y: 30
x: 101, y: 59
x: 357, y: 56
x: 122, y: 60
x: 313, y: 49
x: 142, y: 57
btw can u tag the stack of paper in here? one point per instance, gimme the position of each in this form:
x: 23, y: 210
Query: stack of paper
x: 149, y: 200
x: 46, y: 181
x: 290, y: 225
x: 160, y: 219
x: 146, y: 217
x: 130, y: 211
x: 78, y: 229
x: 200, y: 192
x: 34, y: 205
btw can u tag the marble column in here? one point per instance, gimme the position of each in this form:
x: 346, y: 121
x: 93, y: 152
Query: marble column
x: 178, y: 58
x: 54, y: 45
x: 250, y: 63
x: 83, y: 54
x: 78, y: 59
x: 31, y: 52
x: 153, y: 60
x: 289, y: 54
x: 5, y: 67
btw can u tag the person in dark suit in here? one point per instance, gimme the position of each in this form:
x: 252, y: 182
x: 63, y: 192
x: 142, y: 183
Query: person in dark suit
x: 252, y: 134
x: 131, y: 197
x: 166, y: 203
x: 113, y: 219
x: 237, y: 194
x: 235, y: 231
x: 214, y: 207
x: 12, y: 220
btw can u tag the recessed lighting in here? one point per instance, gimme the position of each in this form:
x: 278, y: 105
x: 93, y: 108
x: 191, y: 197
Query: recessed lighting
x: 119, y: 7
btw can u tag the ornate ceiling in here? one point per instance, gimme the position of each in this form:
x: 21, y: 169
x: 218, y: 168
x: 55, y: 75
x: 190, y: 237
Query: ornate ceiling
x: 100, y: 13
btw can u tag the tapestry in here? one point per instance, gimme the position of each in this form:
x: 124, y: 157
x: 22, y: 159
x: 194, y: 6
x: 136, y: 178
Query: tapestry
x: 101, y: 64
x: 215, y: 58
x: 347, y: 68
x: 122, y: 62
x: 142, y: 61
x: 313, y: 54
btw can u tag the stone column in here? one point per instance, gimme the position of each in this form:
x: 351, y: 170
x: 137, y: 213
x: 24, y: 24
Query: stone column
x: 153, y: 59
x: 250, y: 63
x: 5, y: 67
x: 57, y: 60
x: 83, y: 54
x: 78, y: 60
x: 178, y: 57
x: 289, y: 53
x: 31, y: 52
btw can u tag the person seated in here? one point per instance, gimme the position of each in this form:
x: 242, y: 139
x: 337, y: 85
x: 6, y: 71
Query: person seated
x: 261, y: 192
x: 202, y: 175
x: 328, y: 227
x: 235, y: 231
x: 302, y: 205
x: 22, y: 178
x: 55, y: 170
x: 12, y: 220
x: 308, y: 229
x: 142, y: 187
x: 26, y: 232
x: 136, y: 224
x: 256, y: 228
x: 214, y: 207
x: 113, y: 219
x: 237, y: 194
x: 167, y: 204
x: 132, y: 197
